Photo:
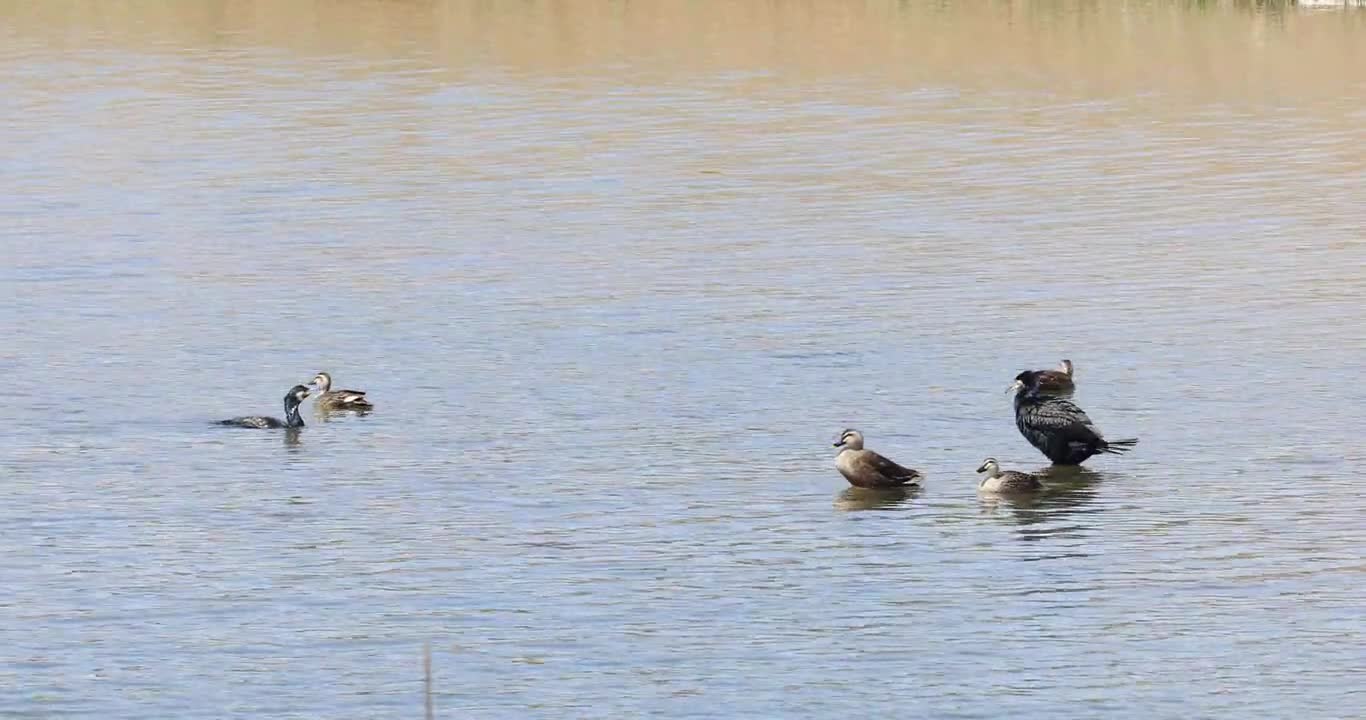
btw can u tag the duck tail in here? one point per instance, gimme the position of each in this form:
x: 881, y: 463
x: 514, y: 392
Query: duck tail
x: 1119, y: 447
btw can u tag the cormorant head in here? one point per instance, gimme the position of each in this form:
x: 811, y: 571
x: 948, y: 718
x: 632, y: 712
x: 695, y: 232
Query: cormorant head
x: 322, y: 381
x: 851, y: 439
x: 989, y: 466
x: 295, y: 396
x: 1024, y: 382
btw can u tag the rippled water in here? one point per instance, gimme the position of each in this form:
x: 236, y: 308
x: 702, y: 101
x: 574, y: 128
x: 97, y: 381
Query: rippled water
x: 615, y: 276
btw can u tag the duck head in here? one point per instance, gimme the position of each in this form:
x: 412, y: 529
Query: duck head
x: 850, y: 440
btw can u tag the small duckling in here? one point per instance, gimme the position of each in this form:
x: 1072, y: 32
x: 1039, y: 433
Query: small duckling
x: 866, y: 469
x: 1006, y: 481
x: 1060, y: 381
x: 293, y: 399
x: 329, y: 399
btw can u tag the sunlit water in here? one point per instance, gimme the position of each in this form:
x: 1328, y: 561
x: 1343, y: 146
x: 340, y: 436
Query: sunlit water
x: 615, y: 276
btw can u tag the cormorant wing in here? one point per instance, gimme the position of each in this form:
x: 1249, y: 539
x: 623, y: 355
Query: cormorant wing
x: 1064, y: 416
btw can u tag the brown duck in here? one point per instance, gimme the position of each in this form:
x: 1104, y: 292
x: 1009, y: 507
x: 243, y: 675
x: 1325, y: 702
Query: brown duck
x: 329, y: 399
x: 1059, y: 381
x: 1006, y: 481
x: 867, y: 469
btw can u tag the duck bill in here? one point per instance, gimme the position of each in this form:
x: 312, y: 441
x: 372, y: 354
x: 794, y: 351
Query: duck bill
x: 982, y: 469
x: 839, y: 444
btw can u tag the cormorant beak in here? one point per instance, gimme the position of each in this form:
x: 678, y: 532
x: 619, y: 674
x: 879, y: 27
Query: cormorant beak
x: 1016, y: 386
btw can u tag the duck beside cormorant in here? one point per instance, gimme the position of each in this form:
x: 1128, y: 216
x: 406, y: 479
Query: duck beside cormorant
x: 332, y: 400
x: 293, y: 399
x: 1006, y: 481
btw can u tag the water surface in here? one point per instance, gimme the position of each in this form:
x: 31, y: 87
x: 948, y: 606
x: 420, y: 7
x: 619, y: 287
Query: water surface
x: 616, y: 275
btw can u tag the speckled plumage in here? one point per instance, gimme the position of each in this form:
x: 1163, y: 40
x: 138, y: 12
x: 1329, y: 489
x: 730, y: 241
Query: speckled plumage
x: 1057, y: 427
x: 293, y: 398
x: 1006, y: 481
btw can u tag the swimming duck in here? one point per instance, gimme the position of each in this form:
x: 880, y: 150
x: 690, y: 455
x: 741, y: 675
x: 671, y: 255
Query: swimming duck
x: 1057, y: 427
x: 329, y: 399
x: 1059, y: 381
x: 293, y: 398
x: 1006, y: 481
x: 867, y: 469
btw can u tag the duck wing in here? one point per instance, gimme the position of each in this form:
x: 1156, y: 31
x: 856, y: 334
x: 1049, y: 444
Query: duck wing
x: 890, y: 470
x: 344, y: 400
x: 1021, y: 480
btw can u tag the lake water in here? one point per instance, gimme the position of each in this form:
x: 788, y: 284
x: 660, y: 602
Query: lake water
x: 615, y: 276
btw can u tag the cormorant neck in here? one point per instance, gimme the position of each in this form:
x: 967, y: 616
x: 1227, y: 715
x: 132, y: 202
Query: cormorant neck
x: 292, y: 418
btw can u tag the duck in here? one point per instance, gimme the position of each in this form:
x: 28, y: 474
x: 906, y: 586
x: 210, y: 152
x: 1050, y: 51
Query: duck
x: 1057, y: 427
x: 1006, y: 481
x: 1059, y: 381
x: 867, y: 469
x: 293, y: 399
x: 329, y: 399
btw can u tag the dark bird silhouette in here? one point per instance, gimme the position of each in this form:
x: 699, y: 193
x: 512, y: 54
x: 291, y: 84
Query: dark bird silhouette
x: 293, y: 398
x: 1056, y: 426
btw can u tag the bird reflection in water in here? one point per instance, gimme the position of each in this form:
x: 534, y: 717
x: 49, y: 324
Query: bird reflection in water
x: 1067, y: 491
x: 294, y: 438
x: 857, y: 498
x: 326, y: 415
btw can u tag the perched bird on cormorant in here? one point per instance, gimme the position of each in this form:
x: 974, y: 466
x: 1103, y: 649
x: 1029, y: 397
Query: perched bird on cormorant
x: 1060, y: 381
